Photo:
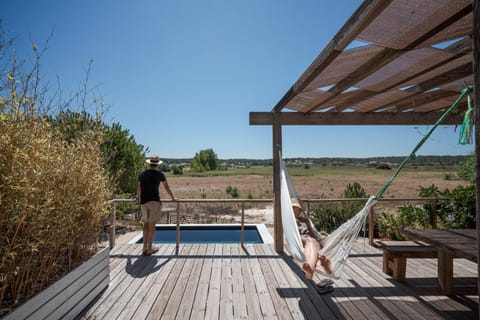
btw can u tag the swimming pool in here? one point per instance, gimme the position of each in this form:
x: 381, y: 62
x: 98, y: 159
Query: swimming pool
x: 209, y: 233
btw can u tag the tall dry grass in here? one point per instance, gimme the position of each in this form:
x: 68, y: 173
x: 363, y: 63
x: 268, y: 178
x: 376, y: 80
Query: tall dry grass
x: 53, y: 197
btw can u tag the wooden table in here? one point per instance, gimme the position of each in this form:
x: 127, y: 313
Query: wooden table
x: 450, y: 243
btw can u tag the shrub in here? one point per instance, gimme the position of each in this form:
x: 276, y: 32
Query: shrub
x: 53, y: 186
x: 53, y: 202
x: 177, y: 170
x: 458, y: 211
x: 330, y: 216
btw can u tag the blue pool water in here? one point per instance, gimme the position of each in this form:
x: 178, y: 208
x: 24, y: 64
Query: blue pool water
x: 206, y: 234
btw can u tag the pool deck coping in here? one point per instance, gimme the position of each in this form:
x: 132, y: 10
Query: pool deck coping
x: 262, y: 230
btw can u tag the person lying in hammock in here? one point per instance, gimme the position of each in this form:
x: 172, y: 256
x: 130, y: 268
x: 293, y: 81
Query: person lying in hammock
x: 311, y: 240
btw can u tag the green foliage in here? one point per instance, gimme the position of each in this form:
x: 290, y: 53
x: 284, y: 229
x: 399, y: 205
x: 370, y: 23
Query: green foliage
x: 123, y: 158
x: 54, y: 191
x: 330, y: 216
x: 466, y: 169
x: 205, y: 160
x: 53, y: 200
x: 177, y: 170
x: 354, y: 190
x: 458, y: 211
x: 232, y: 191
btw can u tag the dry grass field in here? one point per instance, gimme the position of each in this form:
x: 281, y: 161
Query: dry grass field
x: 319, y: 182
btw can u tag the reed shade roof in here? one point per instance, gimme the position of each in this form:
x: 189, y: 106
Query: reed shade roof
x: 391, y: 56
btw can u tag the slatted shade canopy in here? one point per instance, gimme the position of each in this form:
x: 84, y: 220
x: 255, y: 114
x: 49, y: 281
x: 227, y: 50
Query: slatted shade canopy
x: 394, y: 57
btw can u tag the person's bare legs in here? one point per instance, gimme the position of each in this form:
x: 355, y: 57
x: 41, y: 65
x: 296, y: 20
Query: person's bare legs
x: 151, y: 232
x: 147, y: 244
x: 311, y: 248
x: 325, y: 262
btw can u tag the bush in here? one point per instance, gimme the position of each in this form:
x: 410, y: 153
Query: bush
x: 53, y: 200
x: 232, y: 191
x: 177, y: 170
x: 330, y: 216
x: 456, y: 212
x: 390, y: 224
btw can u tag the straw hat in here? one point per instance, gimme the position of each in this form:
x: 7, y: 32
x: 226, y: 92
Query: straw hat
x: 296, y: 203
x: 154, y: 160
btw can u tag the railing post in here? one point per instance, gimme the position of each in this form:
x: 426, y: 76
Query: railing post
x: 112, y: 224
x: 371, y: 227
x: 242, y: 232
x: 178, y: 226
x: 433, y: 213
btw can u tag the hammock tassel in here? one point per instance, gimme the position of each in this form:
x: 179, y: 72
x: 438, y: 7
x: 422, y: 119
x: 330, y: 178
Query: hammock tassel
x: 467, y: 125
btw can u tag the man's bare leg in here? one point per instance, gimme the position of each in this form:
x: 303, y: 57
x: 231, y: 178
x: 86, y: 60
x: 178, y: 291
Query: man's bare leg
x: 145, y: 237
x: 311, y: 249
x: 326, y: 263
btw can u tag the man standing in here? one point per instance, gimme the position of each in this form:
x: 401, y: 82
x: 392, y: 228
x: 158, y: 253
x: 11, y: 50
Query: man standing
x: 148, y: 193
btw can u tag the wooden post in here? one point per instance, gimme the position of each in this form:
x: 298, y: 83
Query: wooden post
x: 433, y: 213
x: 371, y: 225
x: 112, y: 224
x: 476, y: 101
x: 277, y: 209
x: 242, y: 232
x: 177, y: 233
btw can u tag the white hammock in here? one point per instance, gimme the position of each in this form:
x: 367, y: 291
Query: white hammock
x: 336, y: 246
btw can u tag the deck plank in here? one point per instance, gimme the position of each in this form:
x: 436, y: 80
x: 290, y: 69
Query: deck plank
x: 266, y: 303
x: 178, y: 292
x: 226, y: 288
x: 213, y: 299
x: 238, y: 288
x: 227, y: 281
x: 145, y: 279
x: 281, y: 308
x: 186, y: 305
x: 253, y: 301
x: 199, y: 306
x: 165, y: 293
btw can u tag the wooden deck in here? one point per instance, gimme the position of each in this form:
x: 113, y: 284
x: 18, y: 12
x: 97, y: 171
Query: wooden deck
x: 226, y: 281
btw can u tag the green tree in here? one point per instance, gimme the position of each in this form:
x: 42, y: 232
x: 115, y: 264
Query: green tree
x: 123, y: 157
x: 466, y: 169
x: 205, y: 160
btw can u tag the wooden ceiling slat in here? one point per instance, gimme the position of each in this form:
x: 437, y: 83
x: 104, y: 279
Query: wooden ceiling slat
x: 457, y: 73
x: 405, y: 20
x: 367, y: 11
x: 415, y: 101
x: 377, y: 69
x: 380, y: 101
x: 343, y: 65
x: 398, y: 70
x: 407, y: 65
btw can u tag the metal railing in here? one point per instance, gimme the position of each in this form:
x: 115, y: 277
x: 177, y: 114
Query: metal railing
x: 308, y: 203
x: 242, y: 202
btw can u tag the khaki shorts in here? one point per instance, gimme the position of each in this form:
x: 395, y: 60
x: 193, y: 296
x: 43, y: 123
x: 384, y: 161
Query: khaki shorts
x: 151, y: 211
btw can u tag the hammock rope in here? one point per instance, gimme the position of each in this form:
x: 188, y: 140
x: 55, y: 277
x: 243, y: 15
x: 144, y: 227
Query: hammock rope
x: 339, y: 243
x: 412, y: 155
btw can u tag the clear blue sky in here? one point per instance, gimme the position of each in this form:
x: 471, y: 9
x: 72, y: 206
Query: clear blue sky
x: 183, y: 75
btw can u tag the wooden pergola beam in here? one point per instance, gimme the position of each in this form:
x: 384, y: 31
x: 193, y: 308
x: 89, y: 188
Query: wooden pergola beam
x: 351, y: 118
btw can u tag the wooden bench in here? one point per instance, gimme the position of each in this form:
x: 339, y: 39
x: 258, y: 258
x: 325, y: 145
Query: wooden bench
x: 395, y: 254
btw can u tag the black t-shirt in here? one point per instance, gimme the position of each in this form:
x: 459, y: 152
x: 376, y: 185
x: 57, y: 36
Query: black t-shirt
x: 149, y: 182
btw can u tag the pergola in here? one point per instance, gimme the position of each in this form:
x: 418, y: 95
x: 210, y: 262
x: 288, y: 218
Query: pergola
x: 394, y: 62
